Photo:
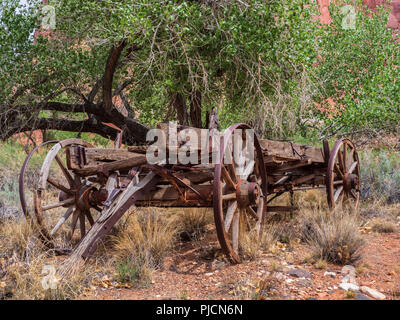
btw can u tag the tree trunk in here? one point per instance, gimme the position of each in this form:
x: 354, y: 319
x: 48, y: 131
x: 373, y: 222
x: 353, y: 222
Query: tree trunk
x: 179, y: 104
x: 195, y: 109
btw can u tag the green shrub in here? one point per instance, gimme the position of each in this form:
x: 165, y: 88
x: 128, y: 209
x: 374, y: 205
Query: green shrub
x: 380, y: 176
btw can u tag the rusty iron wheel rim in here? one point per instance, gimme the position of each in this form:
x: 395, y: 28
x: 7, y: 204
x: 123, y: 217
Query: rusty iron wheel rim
x: 219, y: 212
x: 70, y: 191
x: 343, y: 176
x: 21, y: 180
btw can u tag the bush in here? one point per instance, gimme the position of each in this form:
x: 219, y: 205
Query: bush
x: 380, y: 176
x: 333, y: 237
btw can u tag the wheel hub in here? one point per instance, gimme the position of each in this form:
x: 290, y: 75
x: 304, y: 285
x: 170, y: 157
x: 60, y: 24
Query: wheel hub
x: 350, y: 181
x: 247, y: 193
x: 86, y: 197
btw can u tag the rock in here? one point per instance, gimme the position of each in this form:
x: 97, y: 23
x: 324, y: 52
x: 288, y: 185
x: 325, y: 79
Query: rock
x: 349, y: 279
x: 361, y: 296
x: 304, y: 282
x: 280, y: 276
x: 373, y: 293
x: 312, y: 298
x: 218, y: 265
x: 208, y: 274
x: 299, y: 273
x: 349, y: 286
x: 330, y: 274
x: 348, y: 270
x: 289, y: 281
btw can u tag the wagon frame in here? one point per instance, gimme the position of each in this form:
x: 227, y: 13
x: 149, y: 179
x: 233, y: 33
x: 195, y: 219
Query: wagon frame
x: 110, y: 181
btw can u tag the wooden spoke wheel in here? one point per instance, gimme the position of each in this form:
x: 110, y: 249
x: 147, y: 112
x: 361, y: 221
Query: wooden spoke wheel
x: 343, y: 176
x: 239, y: 191
x: 62, y: 200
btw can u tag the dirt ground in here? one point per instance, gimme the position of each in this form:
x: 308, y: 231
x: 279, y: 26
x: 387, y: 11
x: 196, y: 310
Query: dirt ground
x: 197, y: 270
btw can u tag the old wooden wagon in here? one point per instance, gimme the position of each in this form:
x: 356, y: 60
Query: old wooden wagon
x: 96, y: 186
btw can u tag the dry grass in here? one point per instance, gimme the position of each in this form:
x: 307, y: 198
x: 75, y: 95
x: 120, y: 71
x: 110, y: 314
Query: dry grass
x: 333, y: 237
x: 27, y: 266
x: 247, y: 289
x: 321, y: 264
x: 140, y: 247
x: 251, y: 244
x: 193, y: 221
x: 269, y: 237
x: 383, y: 226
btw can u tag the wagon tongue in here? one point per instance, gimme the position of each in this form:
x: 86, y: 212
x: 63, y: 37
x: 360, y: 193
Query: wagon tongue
x: 112, y: 214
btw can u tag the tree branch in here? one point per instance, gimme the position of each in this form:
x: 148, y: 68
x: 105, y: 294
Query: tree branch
x: 111, y: 65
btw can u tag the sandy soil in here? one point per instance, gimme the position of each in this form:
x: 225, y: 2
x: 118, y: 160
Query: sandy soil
x: 197, y: 270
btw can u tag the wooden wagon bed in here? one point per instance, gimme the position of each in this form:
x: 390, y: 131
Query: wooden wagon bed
x: 285, y: 162
x: 110, y: 180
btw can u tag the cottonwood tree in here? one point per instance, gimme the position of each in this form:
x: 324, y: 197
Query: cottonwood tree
x: 135, y: 63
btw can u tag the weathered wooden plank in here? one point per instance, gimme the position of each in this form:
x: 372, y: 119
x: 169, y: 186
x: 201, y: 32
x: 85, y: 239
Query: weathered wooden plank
x: 138, y: 149
x: 288, y: 151
x: 126, y: 164
x: 98, y: 156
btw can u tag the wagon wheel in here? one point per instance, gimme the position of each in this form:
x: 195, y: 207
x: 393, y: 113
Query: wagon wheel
x: 239, y: 193
x: 22, y: 176
x: 343, y: 176
x: 62, y: 198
